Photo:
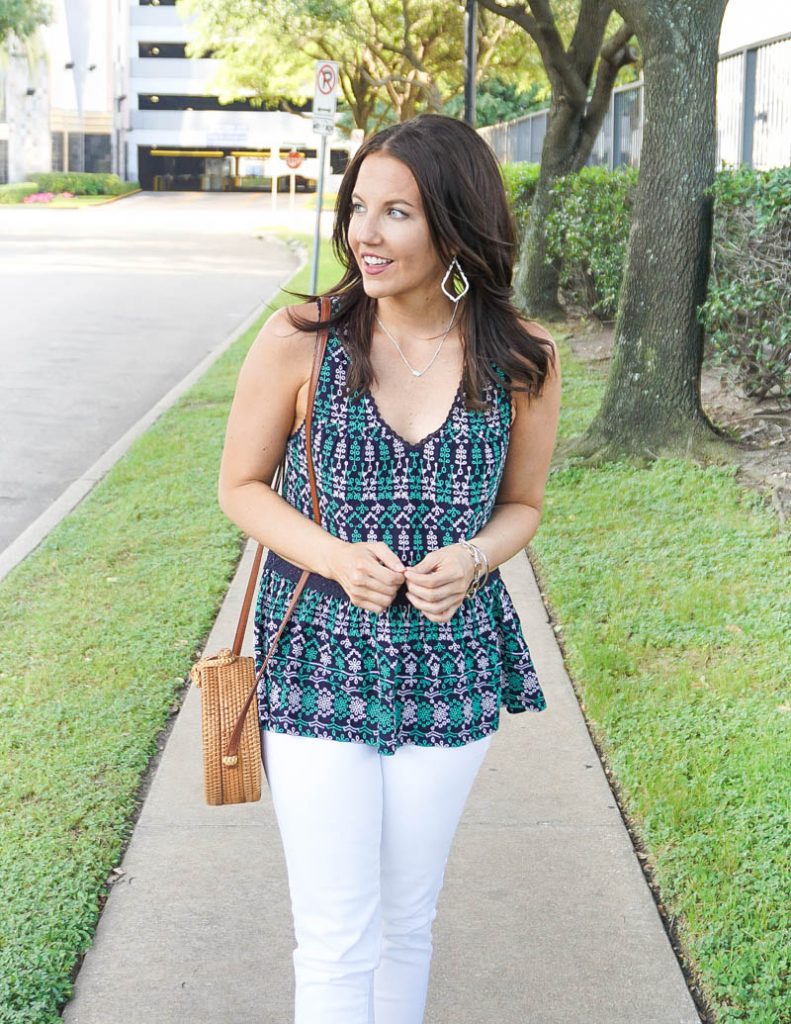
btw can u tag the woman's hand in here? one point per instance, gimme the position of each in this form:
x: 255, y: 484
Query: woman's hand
x: 369, y: 572
x: 437, y: 584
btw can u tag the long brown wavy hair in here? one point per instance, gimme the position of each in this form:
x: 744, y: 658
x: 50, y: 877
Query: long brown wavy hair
x: 468, y: 215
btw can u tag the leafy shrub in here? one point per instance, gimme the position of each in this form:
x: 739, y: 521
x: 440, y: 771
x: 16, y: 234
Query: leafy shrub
x: 520, y: 184
x: 16, y: 193
x: 588, y: 233
x: 747, y: 313
x: 82, y: 183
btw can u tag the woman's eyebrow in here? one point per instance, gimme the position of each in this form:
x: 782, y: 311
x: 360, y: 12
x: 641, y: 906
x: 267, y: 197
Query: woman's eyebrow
x: 356, y: 195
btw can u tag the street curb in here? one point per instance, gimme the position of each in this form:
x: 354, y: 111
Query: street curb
x: 34, y: 534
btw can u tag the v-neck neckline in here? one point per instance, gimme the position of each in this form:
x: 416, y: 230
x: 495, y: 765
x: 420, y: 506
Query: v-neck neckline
x: 372, y: 405
x: 377, y: 415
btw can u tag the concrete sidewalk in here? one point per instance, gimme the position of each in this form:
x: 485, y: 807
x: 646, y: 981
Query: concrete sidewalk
x: 545, y: 917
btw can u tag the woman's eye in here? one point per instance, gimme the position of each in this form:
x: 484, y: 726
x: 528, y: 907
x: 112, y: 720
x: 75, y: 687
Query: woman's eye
x: 356, y: 207
x: 399, y: 212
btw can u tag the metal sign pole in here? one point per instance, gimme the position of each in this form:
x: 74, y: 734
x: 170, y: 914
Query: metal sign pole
x: 324, y: 102
x: 470, y: 61
x: 314, y: 269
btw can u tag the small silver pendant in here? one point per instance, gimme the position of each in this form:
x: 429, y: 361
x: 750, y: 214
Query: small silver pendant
x: 416, y: 373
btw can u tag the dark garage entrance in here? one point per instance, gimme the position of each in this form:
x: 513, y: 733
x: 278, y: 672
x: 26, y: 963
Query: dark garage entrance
x: 214, y: 170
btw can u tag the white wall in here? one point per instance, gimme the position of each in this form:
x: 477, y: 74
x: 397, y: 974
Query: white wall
x: 749, y: 21
x: 28, y: 128
x: 93, y: 46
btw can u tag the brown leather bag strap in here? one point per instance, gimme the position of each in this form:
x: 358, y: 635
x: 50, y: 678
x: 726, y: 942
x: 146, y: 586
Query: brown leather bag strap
x: 318, y: 357
x: 248, y: 596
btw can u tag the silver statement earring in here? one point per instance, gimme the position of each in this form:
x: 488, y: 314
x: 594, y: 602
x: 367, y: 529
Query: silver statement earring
x: 453, y: 295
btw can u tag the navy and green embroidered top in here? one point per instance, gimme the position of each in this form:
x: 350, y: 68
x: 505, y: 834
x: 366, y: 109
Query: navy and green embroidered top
x: 346, y: 673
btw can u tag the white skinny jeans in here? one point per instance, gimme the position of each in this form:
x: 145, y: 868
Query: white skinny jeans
x: 366, y: 839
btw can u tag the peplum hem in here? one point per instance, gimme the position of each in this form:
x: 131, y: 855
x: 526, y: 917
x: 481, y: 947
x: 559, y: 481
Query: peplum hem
x: 345, y: 673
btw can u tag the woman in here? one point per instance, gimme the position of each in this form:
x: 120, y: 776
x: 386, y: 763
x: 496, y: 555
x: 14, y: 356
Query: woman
x: 433, y: 427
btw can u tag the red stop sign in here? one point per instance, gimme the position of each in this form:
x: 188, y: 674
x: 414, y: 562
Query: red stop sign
x: 294, y: 158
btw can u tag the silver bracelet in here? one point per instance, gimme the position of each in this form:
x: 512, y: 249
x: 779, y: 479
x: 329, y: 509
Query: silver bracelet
x: 480, y: 557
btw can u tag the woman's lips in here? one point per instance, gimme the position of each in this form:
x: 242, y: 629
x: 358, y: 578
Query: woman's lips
x: 374, y: 269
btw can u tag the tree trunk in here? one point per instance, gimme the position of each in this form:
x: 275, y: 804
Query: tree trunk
x: 564, y: 151
x: 652, y: 401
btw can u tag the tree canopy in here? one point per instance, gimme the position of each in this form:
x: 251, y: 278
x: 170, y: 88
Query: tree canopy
x: 22, y: 17
x: 396, y: 57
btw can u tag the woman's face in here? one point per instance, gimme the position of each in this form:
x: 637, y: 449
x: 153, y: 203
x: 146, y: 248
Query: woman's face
x: 388, y: 223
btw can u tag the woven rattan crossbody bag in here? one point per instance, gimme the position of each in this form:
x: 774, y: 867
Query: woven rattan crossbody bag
x: 228, y: 681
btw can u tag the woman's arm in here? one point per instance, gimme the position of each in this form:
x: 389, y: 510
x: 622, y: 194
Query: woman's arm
x: 517, y: 512
x: 262, y: 414
x: 438, y: 584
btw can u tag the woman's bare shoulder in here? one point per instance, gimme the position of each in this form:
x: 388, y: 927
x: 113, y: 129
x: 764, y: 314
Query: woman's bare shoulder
x: 281, y: 325
x: 281, y: 343
x: 519, y: 399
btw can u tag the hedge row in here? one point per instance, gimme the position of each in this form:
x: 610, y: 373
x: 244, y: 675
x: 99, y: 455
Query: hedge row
x: 81, y: 183
x: 16, y: 193
x: 746, y: 315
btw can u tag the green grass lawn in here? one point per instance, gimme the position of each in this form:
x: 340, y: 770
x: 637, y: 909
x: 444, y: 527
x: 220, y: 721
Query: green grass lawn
x: 670, y: 588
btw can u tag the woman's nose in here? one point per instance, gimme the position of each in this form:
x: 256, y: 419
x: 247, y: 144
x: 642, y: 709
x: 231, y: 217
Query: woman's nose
x: 368, y: 230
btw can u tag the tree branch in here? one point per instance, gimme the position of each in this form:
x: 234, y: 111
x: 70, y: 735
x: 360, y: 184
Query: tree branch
x: 588, y: 34
x: 576, y: 88
x: 562, y: 74
x: 516, y: 13
x: 615, y: 54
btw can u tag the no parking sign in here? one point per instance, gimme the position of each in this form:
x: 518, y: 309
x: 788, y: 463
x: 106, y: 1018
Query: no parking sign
x: 325, y: 97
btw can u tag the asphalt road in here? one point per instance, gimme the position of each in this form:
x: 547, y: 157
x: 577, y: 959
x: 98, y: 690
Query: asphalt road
x: 103, y: 310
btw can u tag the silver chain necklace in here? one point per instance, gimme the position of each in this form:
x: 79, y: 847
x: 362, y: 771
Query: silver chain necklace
x: 413, y: 371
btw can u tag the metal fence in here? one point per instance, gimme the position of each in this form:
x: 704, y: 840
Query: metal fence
x: 753, y: 116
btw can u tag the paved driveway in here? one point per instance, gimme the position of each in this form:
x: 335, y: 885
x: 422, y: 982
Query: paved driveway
x: 104, y: 309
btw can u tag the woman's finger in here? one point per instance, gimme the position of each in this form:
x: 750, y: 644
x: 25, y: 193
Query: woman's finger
x: 431, y: 581
x: 447, y: 591
x: 434, y: 607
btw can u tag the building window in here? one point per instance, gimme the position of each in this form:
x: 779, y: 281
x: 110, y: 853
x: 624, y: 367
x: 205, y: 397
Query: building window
x: 3, y: 161
x: 98, y: 154
x: 75, y: 151
x: 57, y: 151
x: 162, y: 50
x: 2, y: 97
